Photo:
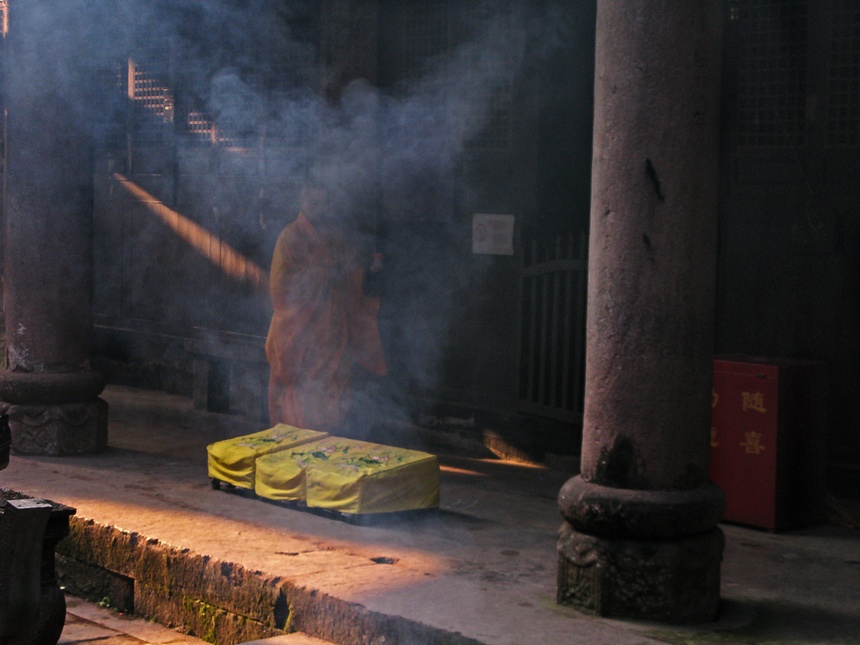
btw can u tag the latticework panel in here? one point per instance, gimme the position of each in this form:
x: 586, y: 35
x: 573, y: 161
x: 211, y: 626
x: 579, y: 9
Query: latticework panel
x: 843, y: 75
x: 772, y: 74
x: 461, y: 49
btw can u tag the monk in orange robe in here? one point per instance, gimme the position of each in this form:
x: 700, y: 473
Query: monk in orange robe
x: 323, y: 323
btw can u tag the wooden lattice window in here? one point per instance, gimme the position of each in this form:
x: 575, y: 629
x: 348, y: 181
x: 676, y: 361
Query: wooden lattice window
x: 452, y: 42
x: 489, y: 23
x: 426, y: 31
x: 112, y: 116
x: 149, y: 94
x: 772, y: 73
x: 843, y: 75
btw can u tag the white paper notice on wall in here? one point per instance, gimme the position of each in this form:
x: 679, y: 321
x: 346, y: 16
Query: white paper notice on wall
x: 493, y: 234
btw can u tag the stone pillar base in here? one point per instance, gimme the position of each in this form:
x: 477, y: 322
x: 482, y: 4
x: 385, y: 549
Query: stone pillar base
x: 59, y: 429
x: 674, y: 580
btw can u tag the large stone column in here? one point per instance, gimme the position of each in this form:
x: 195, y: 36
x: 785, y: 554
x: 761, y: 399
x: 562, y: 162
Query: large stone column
x: 640, y: 538
x: 48, y: 389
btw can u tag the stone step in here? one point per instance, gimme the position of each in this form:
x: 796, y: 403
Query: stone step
x: 223, y: 599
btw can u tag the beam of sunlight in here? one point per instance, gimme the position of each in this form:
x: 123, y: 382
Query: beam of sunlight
x: 218, y: 252
x: 461, y: 471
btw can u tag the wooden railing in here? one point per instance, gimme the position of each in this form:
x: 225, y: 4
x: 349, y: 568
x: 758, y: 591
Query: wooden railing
x: 552, y: 329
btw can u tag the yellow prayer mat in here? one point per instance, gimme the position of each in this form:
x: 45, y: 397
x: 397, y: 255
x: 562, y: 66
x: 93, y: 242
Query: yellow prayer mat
x: 350, y: 476
x: 233, y: 461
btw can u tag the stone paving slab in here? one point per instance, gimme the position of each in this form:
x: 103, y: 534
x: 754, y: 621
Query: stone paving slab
x: 87, y: 623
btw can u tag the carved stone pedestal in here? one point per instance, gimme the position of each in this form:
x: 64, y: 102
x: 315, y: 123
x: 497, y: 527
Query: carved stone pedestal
x: 55, y: 413
x: 56, y: 430
x: 651, y: 555
x: 672, y: 580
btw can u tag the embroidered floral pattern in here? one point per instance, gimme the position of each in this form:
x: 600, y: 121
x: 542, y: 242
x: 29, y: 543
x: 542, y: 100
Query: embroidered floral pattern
x: 269, y: 438
x: 353, y: 455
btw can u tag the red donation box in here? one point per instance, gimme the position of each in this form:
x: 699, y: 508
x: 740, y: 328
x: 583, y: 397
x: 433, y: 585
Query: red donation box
x: 768, y: 440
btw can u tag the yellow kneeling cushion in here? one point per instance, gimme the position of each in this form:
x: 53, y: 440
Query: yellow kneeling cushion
x: 234, y: 460
x: 350, y: 476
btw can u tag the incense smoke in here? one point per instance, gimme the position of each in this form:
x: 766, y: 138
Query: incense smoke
x: 249, y: 73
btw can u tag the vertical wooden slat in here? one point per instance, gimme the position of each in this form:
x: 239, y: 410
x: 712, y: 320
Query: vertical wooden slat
x: 544, y: 337
x: 579, y: 327
x: 532, y: 328
x: 552, y: 356
x: 564, y: 401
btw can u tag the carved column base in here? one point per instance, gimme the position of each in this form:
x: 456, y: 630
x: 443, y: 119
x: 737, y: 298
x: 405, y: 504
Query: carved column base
x: 673, y: 580
x: 59, y: 429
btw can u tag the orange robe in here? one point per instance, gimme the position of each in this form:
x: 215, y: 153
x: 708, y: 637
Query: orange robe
x: 323, y: 324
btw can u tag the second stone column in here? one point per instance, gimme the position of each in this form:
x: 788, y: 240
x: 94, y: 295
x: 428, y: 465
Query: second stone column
x: 640, y: 537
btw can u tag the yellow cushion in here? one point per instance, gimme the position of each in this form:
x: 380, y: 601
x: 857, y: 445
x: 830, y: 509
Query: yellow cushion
x: 233, y: 460
x: 351, y: 476
x: 281, y: 476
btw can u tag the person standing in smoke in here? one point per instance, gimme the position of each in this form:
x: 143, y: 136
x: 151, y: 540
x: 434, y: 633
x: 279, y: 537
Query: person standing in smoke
x: 323, y: 324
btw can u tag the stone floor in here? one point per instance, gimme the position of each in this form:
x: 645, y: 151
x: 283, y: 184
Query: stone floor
x: 87, y: 622
x: 481, y: 570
